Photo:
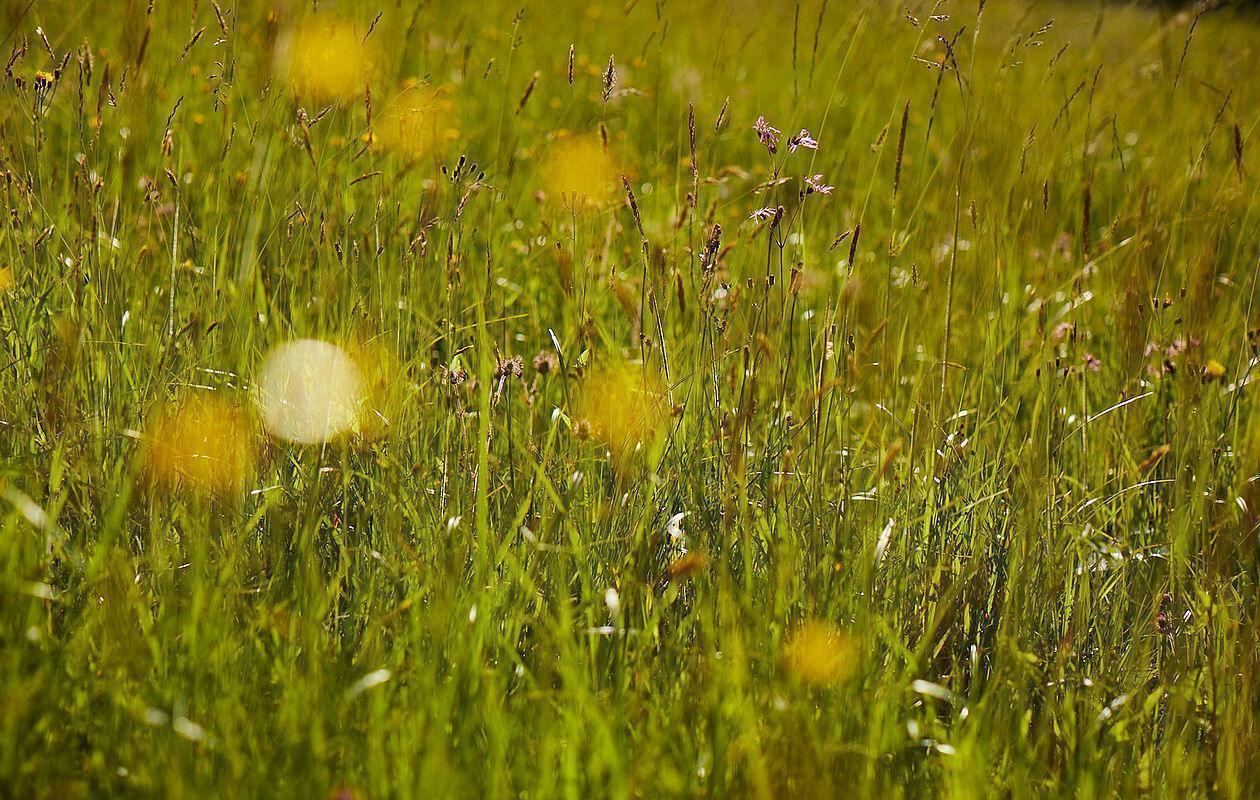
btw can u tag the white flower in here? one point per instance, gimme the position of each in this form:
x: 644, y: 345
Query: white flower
x: 674, y: 526
x: 814, y: 183
x: 802, y: 139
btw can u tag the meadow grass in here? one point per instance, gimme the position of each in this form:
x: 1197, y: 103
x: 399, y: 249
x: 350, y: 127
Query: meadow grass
x: 923, y: 462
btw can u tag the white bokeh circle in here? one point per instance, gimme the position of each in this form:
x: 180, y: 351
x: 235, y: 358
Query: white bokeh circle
x: 309, y: 392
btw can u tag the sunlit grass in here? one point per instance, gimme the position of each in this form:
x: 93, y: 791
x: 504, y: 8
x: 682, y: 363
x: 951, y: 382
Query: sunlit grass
x: 634, y: 399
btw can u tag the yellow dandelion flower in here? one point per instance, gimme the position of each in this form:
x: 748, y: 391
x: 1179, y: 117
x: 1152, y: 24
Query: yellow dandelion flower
x: 327, y: 59
x: 385, y: 385
x: 43, y: 84
x: 417, y: 122
x: 203, y: 442
x: 579, y: 172
x: 625, y: 408
x: 820, y: 654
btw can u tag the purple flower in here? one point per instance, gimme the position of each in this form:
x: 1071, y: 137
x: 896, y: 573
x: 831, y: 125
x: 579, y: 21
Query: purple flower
x: 763, y: 213
x: 768, y: 134
x: 1179, y: 346
x: 802, y: 139
x: 813, y: 183
x: 1092, y: 362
